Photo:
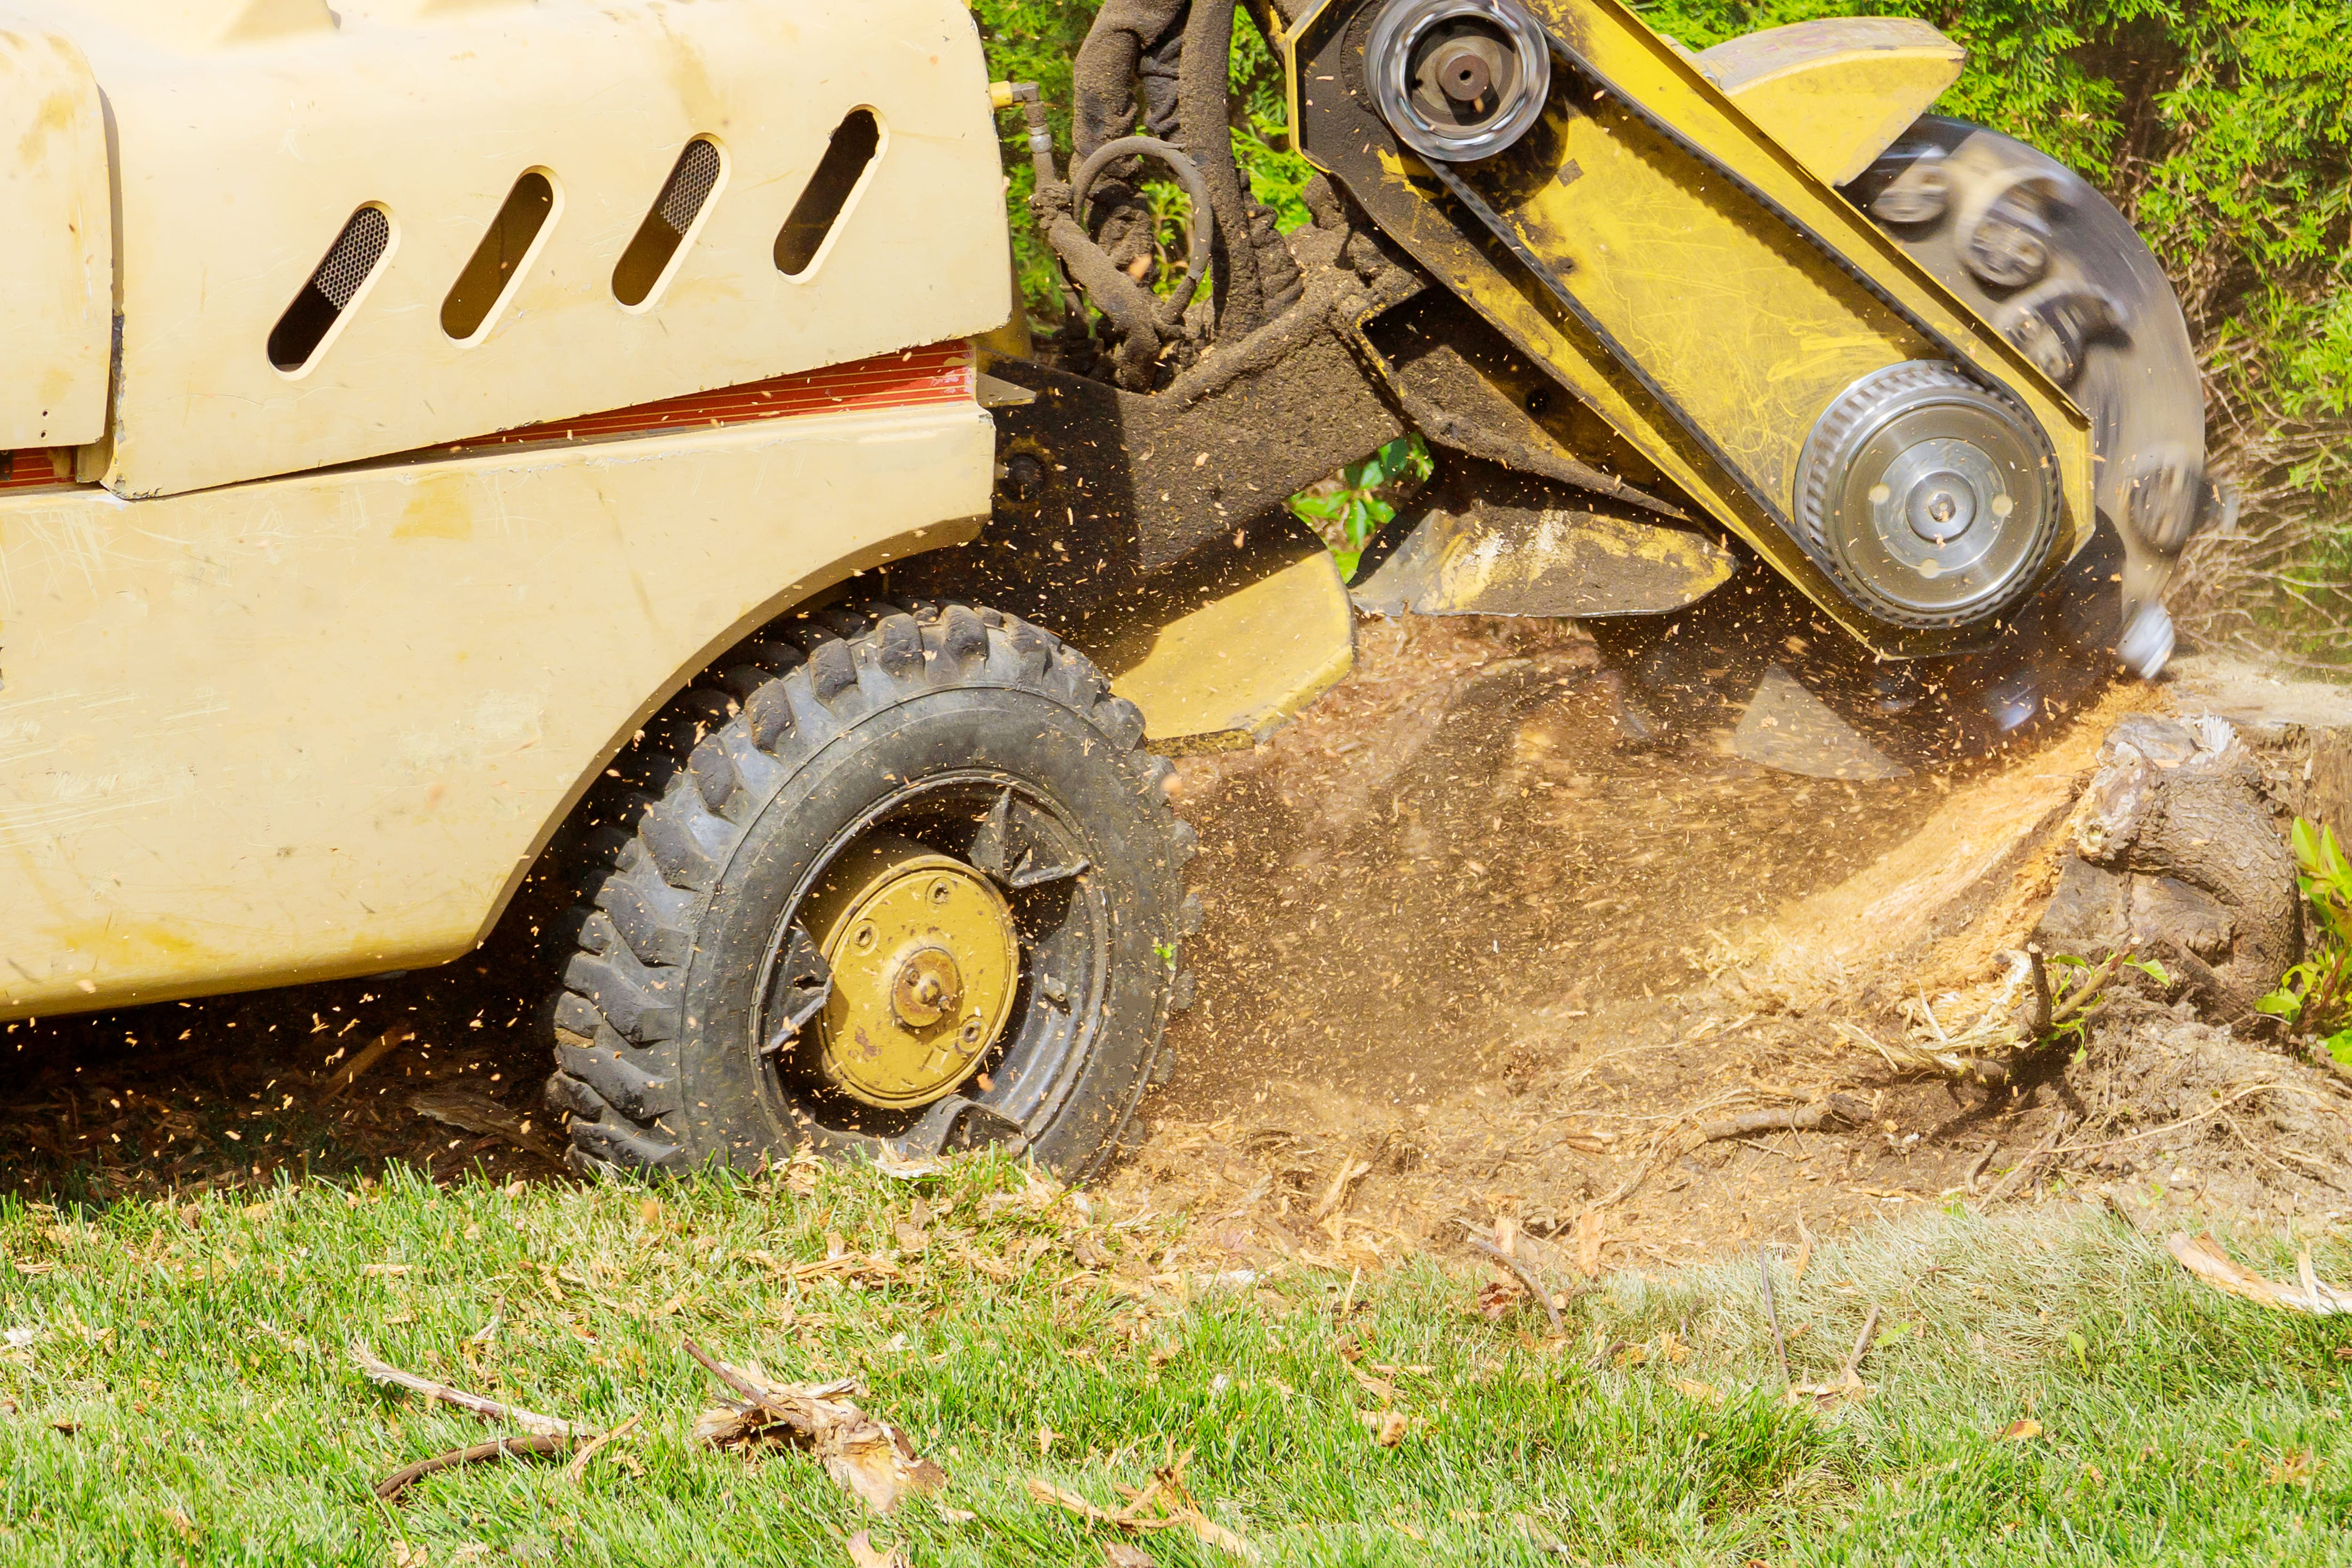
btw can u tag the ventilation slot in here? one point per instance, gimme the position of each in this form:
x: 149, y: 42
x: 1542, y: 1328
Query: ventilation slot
x: 350, y: 261
x: 675, y: 212
x: 499, y: 261
x: 829, y: 190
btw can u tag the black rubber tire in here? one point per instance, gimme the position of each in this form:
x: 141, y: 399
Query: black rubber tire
x: 735, y: 798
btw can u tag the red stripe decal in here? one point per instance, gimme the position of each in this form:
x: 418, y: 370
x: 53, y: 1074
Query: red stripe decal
x: 912, y: 378
x: 941, y: 373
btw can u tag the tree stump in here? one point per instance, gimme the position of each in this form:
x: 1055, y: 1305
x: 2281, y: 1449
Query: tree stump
x: 2176, y: 858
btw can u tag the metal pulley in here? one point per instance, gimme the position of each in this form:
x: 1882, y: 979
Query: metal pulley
x: 1458, y: 80
x: 1931, y: 500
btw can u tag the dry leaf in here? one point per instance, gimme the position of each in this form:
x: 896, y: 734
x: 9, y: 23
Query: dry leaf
x: 1704, y: 1393
x: 1162, y: 1505
x: 1392, y: 1428
x: 891, y: 1164
x: 2021, y: 1430
x: 2203, y: 1257
x: 866, y: 1554
x: 1496, y: 1297
x: 2292, y: 1468
x: 1120, y: 1554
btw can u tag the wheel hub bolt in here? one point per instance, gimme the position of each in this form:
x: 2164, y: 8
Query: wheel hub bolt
x: 926, y: 988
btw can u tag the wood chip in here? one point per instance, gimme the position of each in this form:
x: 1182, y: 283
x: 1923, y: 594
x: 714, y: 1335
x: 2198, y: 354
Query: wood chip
x: 578, y: 1468
x: 1350, y: 1173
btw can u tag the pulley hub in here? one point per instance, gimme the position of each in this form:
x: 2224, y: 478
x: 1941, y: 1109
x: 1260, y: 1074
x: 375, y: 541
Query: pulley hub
x: 924, y: 959
x: 1931, y: 500
x: 1458, y: 80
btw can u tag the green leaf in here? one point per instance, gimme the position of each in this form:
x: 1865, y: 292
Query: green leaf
x: 2281, y: 1003
x: 2304, y: 840
x: 2151, y: 968
x: 2339, y: 1045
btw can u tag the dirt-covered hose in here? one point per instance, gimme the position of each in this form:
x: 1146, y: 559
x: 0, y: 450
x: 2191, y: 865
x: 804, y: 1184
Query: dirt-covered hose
x: 1081, y: 182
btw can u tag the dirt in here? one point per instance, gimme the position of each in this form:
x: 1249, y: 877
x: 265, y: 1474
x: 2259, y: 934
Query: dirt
x: 1462, y: 936
x: 1470, y: 958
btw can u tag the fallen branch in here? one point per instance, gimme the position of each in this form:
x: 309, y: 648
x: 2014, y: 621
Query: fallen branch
x: 382, y: 1372
x: 1525, y: 1275
x: 529, y: 1446
x: 1837, y: 1109
x: 1834, y: 1110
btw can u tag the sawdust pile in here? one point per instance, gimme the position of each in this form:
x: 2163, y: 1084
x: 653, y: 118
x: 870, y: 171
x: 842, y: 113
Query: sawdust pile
x: 1471, y: 959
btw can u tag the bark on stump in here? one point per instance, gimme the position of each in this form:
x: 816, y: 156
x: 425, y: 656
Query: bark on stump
x: 2176, y: 858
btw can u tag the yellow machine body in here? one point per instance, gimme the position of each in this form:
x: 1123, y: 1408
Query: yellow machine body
x: 1736, y: 282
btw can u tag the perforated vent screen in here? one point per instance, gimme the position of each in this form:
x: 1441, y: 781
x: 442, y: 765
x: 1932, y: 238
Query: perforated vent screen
x: 347, y: 265
x: 683, y: 196
x: 689, y: 186
x: 354, y: 255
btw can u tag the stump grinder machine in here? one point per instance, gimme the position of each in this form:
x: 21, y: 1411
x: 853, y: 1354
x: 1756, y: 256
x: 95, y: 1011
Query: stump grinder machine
x: 581, y: 463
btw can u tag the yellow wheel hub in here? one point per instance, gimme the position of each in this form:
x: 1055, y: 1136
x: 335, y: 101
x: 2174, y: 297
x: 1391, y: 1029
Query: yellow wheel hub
x: 924, y: 960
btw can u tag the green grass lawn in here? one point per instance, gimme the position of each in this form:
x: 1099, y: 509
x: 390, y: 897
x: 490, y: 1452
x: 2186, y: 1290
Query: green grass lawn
x: 176, y: 1387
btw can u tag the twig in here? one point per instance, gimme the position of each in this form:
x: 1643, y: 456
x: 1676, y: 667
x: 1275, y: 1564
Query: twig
x: 1772, y: 1310
x: 489, y: 1409
x: 1527, y: 1277
x: 2033, y: 1161
x: 375, y: 1051
x: 578, y: 1468
x: 1853, y: 1372
x: 1836, y: 1109
x: 1976, y: 1168
x: 740, y: 1382
x: 531, y: 1444
x: 1606, y: 1353
x: 2079, y: 999
x: 2038, y: 1017
x: 2167, y: 1127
